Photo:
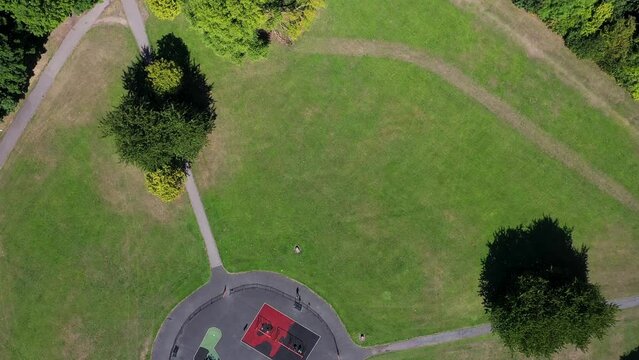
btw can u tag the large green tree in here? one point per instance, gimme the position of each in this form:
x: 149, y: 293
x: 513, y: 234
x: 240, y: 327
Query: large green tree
x: 42, y: 16
x: 19, y: 52
x: 163, y: 120
x: 535, y: 289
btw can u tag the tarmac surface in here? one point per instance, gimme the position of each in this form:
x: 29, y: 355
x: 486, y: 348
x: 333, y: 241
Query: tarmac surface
x: 232, y: 314
x: 230, y: 302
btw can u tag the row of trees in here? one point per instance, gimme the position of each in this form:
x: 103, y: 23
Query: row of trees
x: 240, y: 29
x: 601, y: 30
x: 163, y: 120
x: 24, y: 27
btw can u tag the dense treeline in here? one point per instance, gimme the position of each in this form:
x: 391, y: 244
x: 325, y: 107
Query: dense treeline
x: 24, y: 27
x: 240, y: 29
x: 601, y: 30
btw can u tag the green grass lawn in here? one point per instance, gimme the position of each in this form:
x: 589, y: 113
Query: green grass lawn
x: 620, y: 340
x: 494, y: 61
x: 390, y: 179
x: 91, y: 264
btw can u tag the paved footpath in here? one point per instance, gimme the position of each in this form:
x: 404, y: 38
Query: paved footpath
x: 134, y: 17
x: 198, y: 208
x: 33, y: 100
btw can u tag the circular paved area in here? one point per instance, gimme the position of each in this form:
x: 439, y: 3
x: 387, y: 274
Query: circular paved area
x: 233, y: 312
x: 231, y: 302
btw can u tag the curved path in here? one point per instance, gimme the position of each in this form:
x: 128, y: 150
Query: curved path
x: 337, y: 345
x: 505, y: 112
x: 34, y: 98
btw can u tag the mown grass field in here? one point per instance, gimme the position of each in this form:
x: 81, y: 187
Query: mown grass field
x: 621, y: 340
x: 91, y: 264
x: 390, y: 179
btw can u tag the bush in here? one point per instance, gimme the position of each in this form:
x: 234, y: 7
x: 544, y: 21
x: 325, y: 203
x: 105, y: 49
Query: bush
x: 233, y: 28
x: 165, y: 76
x: 165, y: 9
x: 298, y: 17
x: 166, y: 183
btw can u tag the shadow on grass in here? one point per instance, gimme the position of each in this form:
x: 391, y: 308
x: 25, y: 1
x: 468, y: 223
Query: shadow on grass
x: 194, y: 92
x: 632, y: 355
x: 543, y: 249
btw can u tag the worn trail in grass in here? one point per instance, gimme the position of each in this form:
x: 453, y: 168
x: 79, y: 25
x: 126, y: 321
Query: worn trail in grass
x: 568, y: 157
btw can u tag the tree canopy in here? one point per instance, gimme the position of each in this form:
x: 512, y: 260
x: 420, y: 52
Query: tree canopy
x: 535, y: 289
x: 165, y: 9
x: 601, y: 30
x: 42, y: 16
x: 162, y: 123
x: 165, y: 76
x: 240, y: 28
x: 232, y: 28
x: 19, y: 52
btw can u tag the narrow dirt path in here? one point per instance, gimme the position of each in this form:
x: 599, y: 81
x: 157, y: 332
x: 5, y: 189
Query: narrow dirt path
x: 541, y: 43
x: 505, y: 112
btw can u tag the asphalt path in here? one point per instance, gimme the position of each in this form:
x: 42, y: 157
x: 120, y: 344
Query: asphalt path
x: 34, y: 98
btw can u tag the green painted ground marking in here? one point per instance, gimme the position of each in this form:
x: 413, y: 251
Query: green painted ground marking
x: 210, y: 340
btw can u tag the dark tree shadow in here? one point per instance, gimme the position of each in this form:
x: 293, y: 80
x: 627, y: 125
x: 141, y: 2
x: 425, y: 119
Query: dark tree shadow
x: 632, y: 355
x: 162, y: 128
x: 27, y: 48
x: 543, y: 249
x: 194, y: 92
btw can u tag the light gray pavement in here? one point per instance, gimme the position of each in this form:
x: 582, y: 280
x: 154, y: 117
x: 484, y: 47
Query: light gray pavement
x: 134, y: 17
x: 434, y: 339
x: 33, y: 100
x: 198, y: 208
x: 627, y: 303
x: 465, y: 333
